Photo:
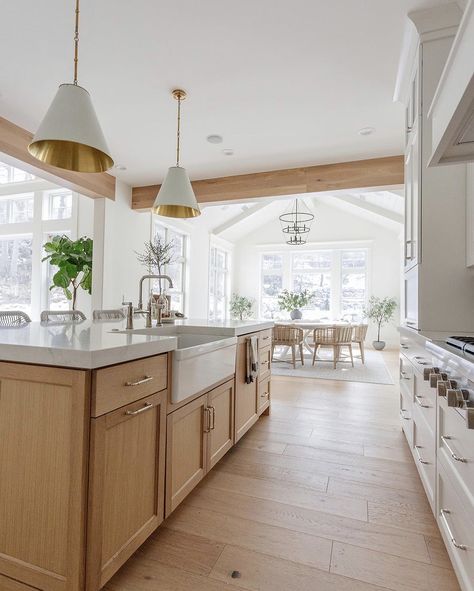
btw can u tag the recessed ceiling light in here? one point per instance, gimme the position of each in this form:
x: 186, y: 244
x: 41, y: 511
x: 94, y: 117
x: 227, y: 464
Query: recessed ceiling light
x: 228, y: 152
x: 120, y: 167
x: 366, y: 131
x: 214, y: 139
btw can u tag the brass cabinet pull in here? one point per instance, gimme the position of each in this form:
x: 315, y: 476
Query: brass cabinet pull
x: 207, y: 412
x: 212, y: 415
x: 144, y: 380
x: 420, y: 459
x: 456, y: 544
x: 445, y: 439
x: 147, y: 406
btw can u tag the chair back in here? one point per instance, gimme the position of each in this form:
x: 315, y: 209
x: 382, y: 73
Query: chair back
x: 108, y: 314
x: 9, y: 318
x: 343, y: 334
x: 324, y: 335
x: 62, y: 316
x: 360, y: 332
x: 287, y: 335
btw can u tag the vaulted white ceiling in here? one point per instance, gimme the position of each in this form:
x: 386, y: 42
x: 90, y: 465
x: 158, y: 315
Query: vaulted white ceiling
x: 285, y: 83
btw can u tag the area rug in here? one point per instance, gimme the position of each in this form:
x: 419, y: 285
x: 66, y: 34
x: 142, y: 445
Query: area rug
x: 374, y: 371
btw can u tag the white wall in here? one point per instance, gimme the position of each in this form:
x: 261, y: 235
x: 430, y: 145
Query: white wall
x: 332, y: 225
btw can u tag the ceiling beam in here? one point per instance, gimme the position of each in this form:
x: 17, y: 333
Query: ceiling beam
x: 238, y: 218
x: 371, y: 207
x: 14, y: 141
x: 376, y: 172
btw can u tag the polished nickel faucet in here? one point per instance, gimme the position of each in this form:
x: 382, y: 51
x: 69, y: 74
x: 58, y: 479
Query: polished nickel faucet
x: 147, y: 312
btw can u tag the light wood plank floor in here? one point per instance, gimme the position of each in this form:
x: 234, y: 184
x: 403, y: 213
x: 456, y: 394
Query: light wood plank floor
x: 321, y: 495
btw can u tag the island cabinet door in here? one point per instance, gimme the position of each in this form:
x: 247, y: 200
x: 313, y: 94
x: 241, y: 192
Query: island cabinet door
x: 186, y: 450
x: 221, y: 430
x: 126, y: 490
x: 246, y: 396
x: 44, y: 434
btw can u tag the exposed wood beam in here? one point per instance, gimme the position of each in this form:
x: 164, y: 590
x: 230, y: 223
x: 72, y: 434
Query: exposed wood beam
x: 14, y: 142
x: 376, y: 172
x: 239, y: 218
x: 370, y: 207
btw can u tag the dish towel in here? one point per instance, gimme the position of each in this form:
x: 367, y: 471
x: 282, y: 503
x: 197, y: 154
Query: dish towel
x: 251, y: 366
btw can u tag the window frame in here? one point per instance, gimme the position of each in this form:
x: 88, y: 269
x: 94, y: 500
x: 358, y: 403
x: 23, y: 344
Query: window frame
x: 287, y: 271
x: 214, y: 271
x: 38, y: 228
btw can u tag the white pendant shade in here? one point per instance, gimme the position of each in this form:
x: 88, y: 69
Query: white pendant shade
x: 70, y: 135
x: 176, y: 197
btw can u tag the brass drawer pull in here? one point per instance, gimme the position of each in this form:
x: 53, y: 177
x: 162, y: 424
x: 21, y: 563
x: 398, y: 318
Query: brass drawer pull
x: 420, y: 459
x: 147, y: 406
x: 144, y: 380
x: 264, y: 395
x: 265, y: 338
x: 445, y: 439
x: 456, y: 544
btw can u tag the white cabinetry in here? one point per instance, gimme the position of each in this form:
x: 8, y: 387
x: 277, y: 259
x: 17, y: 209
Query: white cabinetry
x: 438, y: 287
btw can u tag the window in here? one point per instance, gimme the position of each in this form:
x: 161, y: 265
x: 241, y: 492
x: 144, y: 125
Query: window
x: 27, y: 221
x: 337, y: 277
x: 219, y: 284
x: 353, y: 283
x: 177, y: 269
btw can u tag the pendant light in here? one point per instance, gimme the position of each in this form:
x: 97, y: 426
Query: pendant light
x: 70, y: 136
x: 296, y: 223
x: 176, y: 197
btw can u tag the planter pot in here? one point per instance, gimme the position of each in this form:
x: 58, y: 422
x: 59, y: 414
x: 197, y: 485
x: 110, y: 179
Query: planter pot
x: 378, y: 345
x: 296, y: 314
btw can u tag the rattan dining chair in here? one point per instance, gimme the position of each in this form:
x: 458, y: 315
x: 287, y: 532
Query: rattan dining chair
x: 288, y: 336
x: 335, y: 337
x: 62, y: 316
x: 358, y: 336
x: 117, y: 314
x: 13, y: 318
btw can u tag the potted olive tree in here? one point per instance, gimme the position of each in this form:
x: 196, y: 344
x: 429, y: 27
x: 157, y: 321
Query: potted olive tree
x: 73, y: 259
x: 240, y: 307
x: 292, y: 301
x: 380, y: 310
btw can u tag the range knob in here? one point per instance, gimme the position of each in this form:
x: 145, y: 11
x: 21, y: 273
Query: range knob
x: 457, y: 397
x: 443, y: 385
x: 427, y: 371
x: 436, y: 377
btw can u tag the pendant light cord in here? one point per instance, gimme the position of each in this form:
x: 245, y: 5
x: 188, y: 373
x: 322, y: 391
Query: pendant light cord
x: 76, y: 42
x: 178, y: 132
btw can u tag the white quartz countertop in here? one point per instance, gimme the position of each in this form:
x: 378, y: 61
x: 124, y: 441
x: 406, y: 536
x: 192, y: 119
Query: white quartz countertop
x: 90, y: 345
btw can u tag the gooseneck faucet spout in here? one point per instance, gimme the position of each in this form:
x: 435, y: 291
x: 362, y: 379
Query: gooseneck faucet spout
x: 140, y: 291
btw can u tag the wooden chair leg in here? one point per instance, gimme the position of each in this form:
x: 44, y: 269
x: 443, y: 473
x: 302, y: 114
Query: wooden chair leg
x: 352, y: 357
x: 314, y: 352
x: 301, y: 354
x: 335, y: 354
x: 293, y: 356
x: 362, y: 352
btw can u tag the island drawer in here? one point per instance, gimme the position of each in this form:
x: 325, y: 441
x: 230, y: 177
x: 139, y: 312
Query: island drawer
x: 118, y: 385
x: 264, y: 359
x: 265, y: 338
x: 263, y: 392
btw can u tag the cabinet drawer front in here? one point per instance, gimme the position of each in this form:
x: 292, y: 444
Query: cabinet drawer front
x: 456, y: 527
x: 263, y: 394
x: 425, y: 401
x: 407, y: 374
x: 456, y: 446
x: 406, y: 417
x: 424, y: 453
x: 264, y: 358
x: 265, y: 338
x: 122, y: 384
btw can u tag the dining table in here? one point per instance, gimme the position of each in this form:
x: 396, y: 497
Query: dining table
x: 308, y: 327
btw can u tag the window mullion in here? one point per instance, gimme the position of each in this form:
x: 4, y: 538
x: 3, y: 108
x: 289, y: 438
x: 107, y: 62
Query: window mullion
x: 38, y: 281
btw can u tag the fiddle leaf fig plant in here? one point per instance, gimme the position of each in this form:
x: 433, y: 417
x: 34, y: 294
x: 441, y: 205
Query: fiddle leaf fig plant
x: 73, y: 258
